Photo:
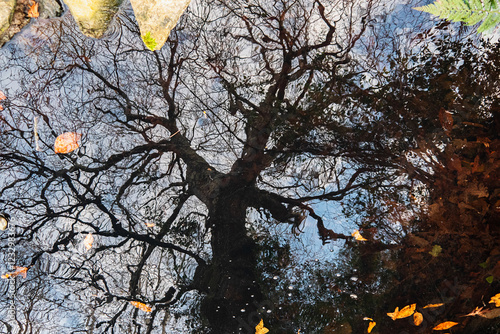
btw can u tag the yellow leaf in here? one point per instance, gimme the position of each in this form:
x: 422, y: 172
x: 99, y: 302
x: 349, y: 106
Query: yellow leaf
x: 417, y: 318
x: 366, y: 318
x: 496, y: 299
x: 358, y: 236
x: 33, y: 11
x: 67, y: 142
x: 370, y: 326
x: 406, y: 311
x: 150, y: 224
x: 445, y: 325
x: 403, y: 313
x: 260, y: 329
x: 89, y: 239
x: 394, y: 315
x: 141, y: 306
x: 433, y: 305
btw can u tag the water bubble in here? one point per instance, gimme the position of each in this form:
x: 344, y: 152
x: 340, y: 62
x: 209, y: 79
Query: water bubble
x: 354, y: 278
x: 229, y: 277
x: 268, y: 311
x: 275, y: 277
x: 279, y: 308
x: 243, y: 310
x: 353, y: 296
x: 246, y: 304
x: 251, y: 296
x: 289, y: 295
x: 310, y: 285
x: 338, y: 275
x: 290, y: 287
x: 316, y: 260
x: 234, y: 317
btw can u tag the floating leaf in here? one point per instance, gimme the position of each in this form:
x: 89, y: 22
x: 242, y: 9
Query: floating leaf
x: 496, y: 299
x: 19, y: 271
x: 150, y: 224
x: 436, y: 250
x: 260, y: 329
x: 403, y: 313
x: 484, y: 265
x: 67, y: 142
x: 358, y: 236
x: 489, y: 279
x: 149, y: 41
x: 394, y: 315
x: 89, y: 239
x: 445, y: 325
x: 33, y: 11
x: 2, y: 96
x: 433, y: 305
x: 366, y: 318
x: 370, y: 326
x: 141, y: 306
x: 418, y: 318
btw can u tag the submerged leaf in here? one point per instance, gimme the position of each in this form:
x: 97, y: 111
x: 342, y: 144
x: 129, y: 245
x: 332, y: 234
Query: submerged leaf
x: 445, y: 325
x: 370, y: 326
x: 418, y: 318
x: 358, y: 236
x: 496, y: 299
x: 436, y: 250
x: 89, y: 239
x: 433, y: 305
x: 19, y: 271
x: 260, y: 329
x: 403, y: 313
x: 141, y: 306
x: 33, y: 11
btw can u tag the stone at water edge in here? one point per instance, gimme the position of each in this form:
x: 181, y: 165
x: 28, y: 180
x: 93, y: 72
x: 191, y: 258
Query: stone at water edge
x: 156, y: 18
x: 93, y: 16
x: 6, y: 12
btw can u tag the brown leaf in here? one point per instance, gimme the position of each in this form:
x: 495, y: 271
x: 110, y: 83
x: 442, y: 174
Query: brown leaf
x: 446, y: 120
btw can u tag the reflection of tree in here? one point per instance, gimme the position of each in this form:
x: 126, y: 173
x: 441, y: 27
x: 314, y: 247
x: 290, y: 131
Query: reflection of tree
x: 285, y: 128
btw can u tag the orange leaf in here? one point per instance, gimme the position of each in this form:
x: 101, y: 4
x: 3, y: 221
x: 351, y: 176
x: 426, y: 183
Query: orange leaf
x: 260, y: 329
x: 19, y: 271
x: 394, y: 315
x: 370, y: 326
x: 417, y: 318
x: 2, y: 96
x: 89, y: 239
x: 33, y: 11
x: 67, y: 142
x: 406, y: 311
x: 141, y: 306
x: 496, y: 299
x: 445, y: 325
x: 433, y: 305
x: 358, y: 236
x: 150, y: 224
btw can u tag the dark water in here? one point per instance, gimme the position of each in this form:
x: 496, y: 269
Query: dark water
x: 219, y: 182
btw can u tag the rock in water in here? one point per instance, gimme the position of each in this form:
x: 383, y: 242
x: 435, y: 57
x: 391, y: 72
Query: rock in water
x: 93, y: 16
x: 6, y: 11
x: 157, y: 18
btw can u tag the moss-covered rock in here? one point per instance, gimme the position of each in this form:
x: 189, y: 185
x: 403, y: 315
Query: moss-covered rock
x: 157, y: 18
x: 6, y: 11
x: 93, y: 16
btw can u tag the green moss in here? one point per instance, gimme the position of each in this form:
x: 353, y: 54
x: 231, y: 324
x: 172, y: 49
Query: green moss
x: 149, y: 41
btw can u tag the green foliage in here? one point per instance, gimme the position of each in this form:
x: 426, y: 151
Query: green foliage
x: 468, y: 11
x: 489, y: 279
x: 149, y: 41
